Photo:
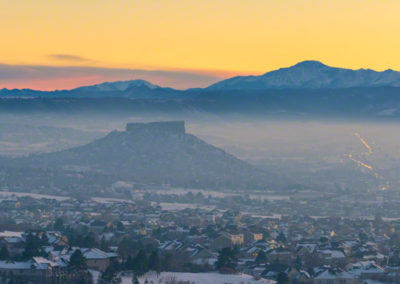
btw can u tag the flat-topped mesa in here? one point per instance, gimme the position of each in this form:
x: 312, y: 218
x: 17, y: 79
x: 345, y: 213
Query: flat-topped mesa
x: 167, y: 126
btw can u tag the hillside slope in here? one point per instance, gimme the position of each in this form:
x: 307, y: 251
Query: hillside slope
x: 159, y: 153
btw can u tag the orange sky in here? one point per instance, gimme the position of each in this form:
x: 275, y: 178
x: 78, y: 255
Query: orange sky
x: 217, y: 38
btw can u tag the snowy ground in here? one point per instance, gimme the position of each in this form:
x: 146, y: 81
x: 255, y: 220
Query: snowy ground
x: 197, y: 278
x: 96, y: 275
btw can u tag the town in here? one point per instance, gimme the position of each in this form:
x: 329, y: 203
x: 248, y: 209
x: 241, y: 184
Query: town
x: 50, y: 239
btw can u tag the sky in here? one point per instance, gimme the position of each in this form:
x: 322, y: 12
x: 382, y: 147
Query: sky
x: 54, y: 44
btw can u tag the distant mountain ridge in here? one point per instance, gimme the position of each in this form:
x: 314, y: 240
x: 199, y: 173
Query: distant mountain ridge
x: 138, y: 89
x: 311, y: 74
x: 119, y: 86
x: 304, y: 75
x: 308, y: 89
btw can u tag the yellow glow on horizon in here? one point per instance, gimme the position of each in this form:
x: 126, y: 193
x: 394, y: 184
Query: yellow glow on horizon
x: 250, y: 36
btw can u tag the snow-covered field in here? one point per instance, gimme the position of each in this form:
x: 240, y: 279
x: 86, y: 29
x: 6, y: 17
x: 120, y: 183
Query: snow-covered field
x: 181, y: 206
x: 197, y: 278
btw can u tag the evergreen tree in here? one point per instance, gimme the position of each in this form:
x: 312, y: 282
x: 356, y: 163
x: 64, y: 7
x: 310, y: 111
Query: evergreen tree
x: 32, y: 246
x: 135, y: 280
x: 298, y: 263
x: 281, y: 238
x: 104, y: 245
x: 140, y: 263
x: 226, y: 258
x: 129, y: 263
x: 44, y: 240
x: 127, y: 247
x: 120, y: 226
x: 77, y: 261
x: 363, y: 237
x: 261, y: 257
x: 110, y: 275
x: 59, y: 224
x: 166, y: 262
x: 90, y: 241
x: 4, y: 254
x: 194, y: 231
x: 282, y: 278
x: 154, y: 262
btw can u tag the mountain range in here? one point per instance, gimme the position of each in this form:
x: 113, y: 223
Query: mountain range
x: 307, y: 89
x: 314, y: 75
x: 119, y: 89
x: 303, y: 75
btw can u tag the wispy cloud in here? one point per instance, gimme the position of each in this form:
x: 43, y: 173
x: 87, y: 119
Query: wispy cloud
x: 68, y: 77
x: 68, y: 57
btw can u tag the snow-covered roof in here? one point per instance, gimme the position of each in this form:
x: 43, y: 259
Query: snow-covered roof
x: 34, y: 263
x: 14, y: 240
x: 331, y: 274
x: 333, y: 253
x: 11, y: 234
x: 95, y: 253
x: 15, y: 264
x: 361, y: 267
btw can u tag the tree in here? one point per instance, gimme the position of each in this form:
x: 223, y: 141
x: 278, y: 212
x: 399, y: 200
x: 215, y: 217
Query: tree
x: 154, y: 262
x: 394, y: 260
x: 282, y: 278
x: 281, y: 238
x: 157, y: 233
x: 261, y: 257
x: 298, y: 263
x: 211, y: 231
x: 59, y: 224
x: 90, y: 241
x: 194, y: 231
x: 44, y: 240
x: 4, y: 254
x: 135, y: 280
x: 378, y: 221
x: 166, y: 262
x: 127, y: 247
x: 104, y: 245
x: 77, y: 261
x: 120, y: 226
x: 226, y: 258
x: 140, y: 263
x: 110, y: 275
x: 129, y: 263
x: 32, y: 246
x: 363, y: 237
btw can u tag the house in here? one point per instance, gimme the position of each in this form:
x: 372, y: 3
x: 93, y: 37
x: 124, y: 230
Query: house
x: 329, y: 256
x: 203, y: 256
x: 367, y: 270
x: 14, y: 241
x: 38, y: 269
x: 280, y: 255
x: 237, y: 239
x: 305, y: 249
x: 98, y: 225
x: 274, y: 269
x: 95, y: 258
x: 227, y: 240
x: 250, y: 237
x: 335, y: 276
